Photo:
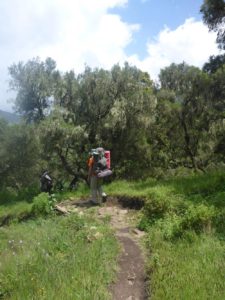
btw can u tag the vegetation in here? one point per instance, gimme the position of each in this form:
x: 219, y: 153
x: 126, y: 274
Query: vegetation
x: 184, y: 221
x: 172, y: 132
x: 213, y: 15
x: 57, y: 258
x: 9, y: 117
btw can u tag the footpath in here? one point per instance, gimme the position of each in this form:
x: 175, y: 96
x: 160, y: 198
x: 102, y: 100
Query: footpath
x: 130, y: 283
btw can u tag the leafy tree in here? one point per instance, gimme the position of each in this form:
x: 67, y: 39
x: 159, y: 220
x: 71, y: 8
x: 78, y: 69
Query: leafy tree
x: 214, y: 16
x: 193, y: 114
x: 166, y: 134
x: 111, y: 106
x: 19, y: 154
x: 64, y: 147
x: 217, y: 94
x: 34, y: 82
x: 215, y: 62
x: 87, y: 98
x: 126, y: 126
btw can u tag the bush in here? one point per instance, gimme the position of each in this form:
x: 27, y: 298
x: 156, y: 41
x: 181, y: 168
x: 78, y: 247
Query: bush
x: 155, y: 208
x: 41, y: 205
x: 8, y: 195
x: 171, y: 226
x: 28, y: 193
x: 199, y: 217
x: 159, y: 203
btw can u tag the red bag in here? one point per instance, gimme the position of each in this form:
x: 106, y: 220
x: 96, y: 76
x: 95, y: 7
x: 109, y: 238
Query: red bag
x: 108, y: 160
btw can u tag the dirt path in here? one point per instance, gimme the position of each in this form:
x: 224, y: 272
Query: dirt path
x: 130, y: 283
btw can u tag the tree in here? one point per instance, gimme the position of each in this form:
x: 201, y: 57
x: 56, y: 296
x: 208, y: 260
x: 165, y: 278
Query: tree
x: 192, y: 112
x: 19, y: 153
x: 87, y: 99
x: 34, y: 82
x: 126, y: 126
x: 113, y: 107
x: 215, y: 62
x: 214, y: 16
x: 65, y: 146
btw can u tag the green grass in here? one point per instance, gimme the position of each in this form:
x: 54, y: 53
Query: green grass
x: 191, y: 268
x: 12, y: 212
x: 185, y: 223
x: 58, y: 258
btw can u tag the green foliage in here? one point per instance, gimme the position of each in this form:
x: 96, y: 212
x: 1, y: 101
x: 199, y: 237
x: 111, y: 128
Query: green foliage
x: 39, y: 256
x: 19, y: 157
x: 185, y: 237
x: 170, y: 226
x: 188, y: 269
x: 14, y: 212
x: 214, y: 63
x: 42, y: 205
x: 34, y: 82
x: 157, y: 204
x: 150, y: 130
x: 184, y: 118
x: 199, y: 217
x: 64, y: 146
x: 213, y: 15
x: 8, y: 195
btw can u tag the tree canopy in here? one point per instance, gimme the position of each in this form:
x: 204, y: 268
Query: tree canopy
x: 150, y: 129
x: 214, y: 16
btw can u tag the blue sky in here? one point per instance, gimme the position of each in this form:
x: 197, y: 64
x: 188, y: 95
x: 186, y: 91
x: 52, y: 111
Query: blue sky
x: 153, y: 16
x: 150, y: 34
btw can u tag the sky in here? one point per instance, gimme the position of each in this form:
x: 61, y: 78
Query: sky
x: 150, y: 34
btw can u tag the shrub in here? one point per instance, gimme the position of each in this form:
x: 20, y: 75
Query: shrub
x: 171, y: 226
x: 159, y: 203
x: 144, y: 223
x: 7, y: 195
x: 199, y: 217
x: 28, y: 193
x: 41, y: 205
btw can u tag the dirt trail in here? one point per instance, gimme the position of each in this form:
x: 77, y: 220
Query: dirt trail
x: 130, y: 282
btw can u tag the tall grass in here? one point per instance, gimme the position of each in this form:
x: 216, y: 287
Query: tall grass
x: 184, y: 219
x: 58, y: 258
x: 185, y: 223
x: 190, y: 268
x: 74, y: 257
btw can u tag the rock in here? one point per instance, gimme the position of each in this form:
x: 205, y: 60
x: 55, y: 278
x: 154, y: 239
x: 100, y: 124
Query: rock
x: 138, y: 232
x: 61, y: 209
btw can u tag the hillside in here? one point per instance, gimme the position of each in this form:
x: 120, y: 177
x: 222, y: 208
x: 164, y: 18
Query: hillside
x: 10, y: 117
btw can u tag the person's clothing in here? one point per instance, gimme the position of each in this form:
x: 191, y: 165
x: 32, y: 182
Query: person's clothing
x: 46, y: 183
x: 97, y: 194
x: 90, y: 166
x: 96, y: 189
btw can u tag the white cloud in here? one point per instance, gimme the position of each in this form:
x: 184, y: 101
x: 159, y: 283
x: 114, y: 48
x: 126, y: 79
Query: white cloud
x: 79, y: 32
x: 73, y: 33
x: 61, y: 29
x: 191, y: 42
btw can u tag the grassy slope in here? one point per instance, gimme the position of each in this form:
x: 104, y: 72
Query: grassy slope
x: 57, y: 258
x: 184, y: 220
x: 185, y: 224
